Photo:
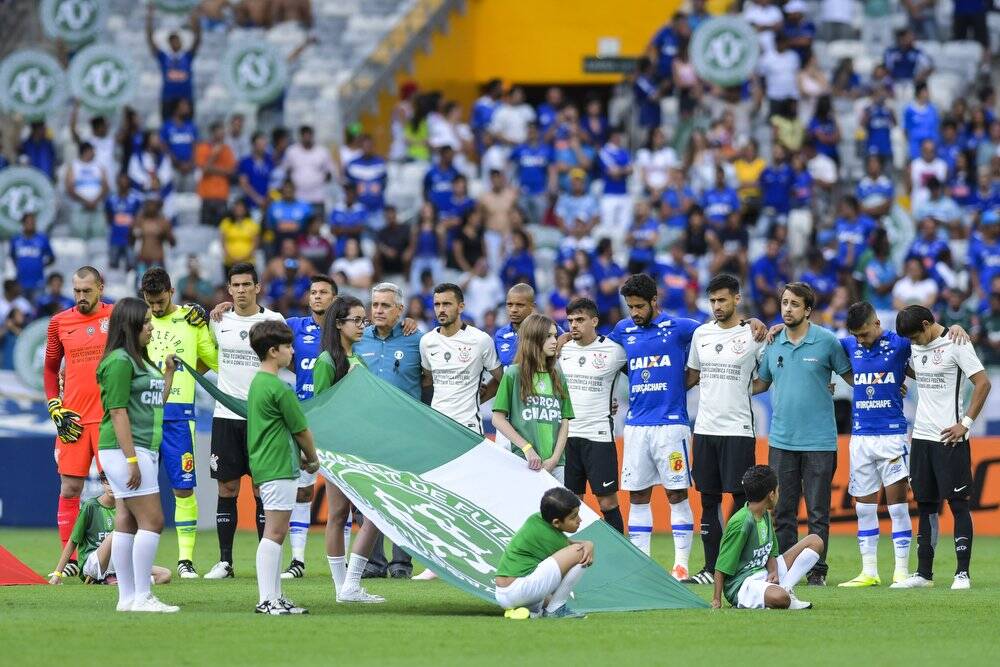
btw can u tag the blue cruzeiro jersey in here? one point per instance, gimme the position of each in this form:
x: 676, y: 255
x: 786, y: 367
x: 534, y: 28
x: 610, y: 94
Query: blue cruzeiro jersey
x: 505, y: 342
x: 305, y: 342
x: 656, y: 357
x: 879, y: 372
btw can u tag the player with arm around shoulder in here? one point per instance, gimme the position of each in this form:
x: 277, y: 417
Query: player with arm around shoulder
x: 274, y: 418
x: 750, y: 571
x: 540, y: 567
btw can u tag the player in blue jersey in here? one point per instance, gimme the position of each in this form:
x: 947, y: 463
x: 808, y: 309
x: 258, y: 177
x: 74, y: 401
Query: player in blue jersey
x: 879, y: 444
x: 520, y: 304
x: 657, y: 430
x: 306, y: 333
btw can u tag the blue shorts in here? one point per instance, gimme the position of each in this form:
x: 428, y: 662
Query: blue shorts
x: 177, y: 452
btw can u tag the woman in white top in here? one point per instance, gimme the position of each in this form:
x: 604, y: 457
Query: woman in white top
x: 914, y: 288
x: 358, y: 270
x: 655, y: 161
x: 813, y: 84
x: 86, y: 185
x: 151, y: 173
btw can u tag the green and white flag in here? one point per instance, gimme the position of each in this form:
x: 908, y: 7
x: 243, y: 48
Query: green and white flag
x: 73, y: 21
x: 32, y: 84
x: 254, y: 72
x: 29, y: 353
x: 102, y: 77
x: 724, y: 50
x: 25, y: 190
x: 453, y: 499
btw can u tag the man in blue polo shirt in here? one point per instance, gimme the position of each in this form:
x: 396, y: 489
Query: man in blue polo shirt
x: 905, y: 61
x: 31, y: 253
x: 534, y: 162
x: 175, y: 64
x: 440, y: 179
x: 254, y: 173
x: 390, y: 349
x: 369, y: 174
x: 803, y: 435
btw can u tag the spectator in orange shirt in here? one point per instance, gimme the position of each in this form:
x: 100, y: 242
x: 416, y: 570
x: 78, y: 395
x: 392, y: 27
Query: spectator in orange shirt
x: 217, y: 164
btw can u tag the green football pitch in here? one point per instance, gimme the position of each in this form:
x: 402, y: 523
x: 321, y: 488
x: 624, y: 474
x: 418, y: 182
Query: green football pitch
x: 431, y: 623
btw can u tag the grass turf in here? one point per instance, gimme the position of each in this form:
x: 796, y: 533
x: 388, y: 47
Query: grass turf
x: 433, y: 623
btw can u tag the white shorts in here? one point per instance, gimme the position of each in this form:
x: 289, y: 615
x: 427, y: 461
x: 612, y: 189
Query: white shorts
x: 877, y: 461
x: 656, y: 455
x: 530, y: 590
x: 279, y: 494
x: 114, y: 466
x: 306, y: 480
x: 92, y: 567
x: 751, y: 593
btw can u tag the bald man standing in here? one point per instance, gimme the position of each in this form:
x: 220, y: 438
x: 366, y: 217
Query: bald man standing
x: 520, y: 304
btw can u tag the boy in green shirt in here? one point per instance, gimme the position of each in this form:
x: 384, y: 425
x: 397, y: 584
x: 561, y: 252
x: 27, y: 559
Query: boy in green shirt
x: 91, y: 537
x: 748, y: 570
x: 540, y: 566
x: 279, y: 443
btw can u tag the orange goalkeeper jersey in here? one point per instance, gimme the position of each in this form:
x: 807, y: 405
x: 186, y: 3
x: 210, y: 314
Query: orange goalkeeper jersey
x: 79, y: 340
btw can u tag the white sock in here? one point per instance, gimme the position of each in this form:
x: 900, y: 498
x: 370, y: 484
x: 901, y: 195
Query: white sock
x: 143, y: 555
x: 868, y: 537
x: 640, y: 526
x: 338, y: 570
x: 902, y: 535
x: 298, y: 530
x: 268, y: 562
x: 682, y: 524
x: 355, y: 568
x: 561, y: 594
x: 347, y: 532
x: 121, y: 558
x: 800, y: 568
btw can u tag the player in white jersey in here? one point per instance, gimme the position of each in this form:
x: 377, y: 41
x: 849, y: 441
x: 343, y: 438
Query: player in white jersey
x: 453, y: 357
x: 940, y: 458
x: 238, y: 364
x: 591, y: 365
x: 723, y: 361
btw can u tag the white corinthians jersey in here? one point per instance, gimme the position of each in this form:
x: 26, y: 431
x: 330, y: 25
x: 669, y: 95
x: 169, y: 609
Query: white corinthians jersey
x: 456, y: 364
x: 727, y: 360
x: 590, y: 374
x: 941, y: 368
x: 238, y: 363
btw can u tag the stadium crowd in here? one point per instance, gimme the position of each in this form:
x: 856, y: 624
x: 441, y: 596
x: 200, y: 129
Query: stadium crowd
x: 752, y: 180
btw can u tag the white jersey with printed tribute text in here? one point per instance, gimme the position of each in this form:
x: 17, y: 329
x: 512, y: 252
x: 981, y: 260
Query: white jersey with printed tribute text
x: 456, y: 364
x: 238, y: 363
x: 941, y: 368
x: 591, y: 372
x: 727, y: 360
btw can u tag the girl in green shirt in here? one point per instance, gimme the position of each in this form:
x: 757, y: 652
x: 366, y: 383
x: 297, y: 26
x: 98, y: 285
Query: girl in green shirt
x: 343, y: 326
x: 132, y: 391
x: 534, y: 414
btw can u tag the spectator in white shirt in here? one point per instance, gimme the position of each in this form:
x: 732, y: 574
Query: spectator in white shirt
x: 914, y: 288
x: 922, y: 169
x: 837, y: 19
x: 766, y: 19
x: 310, y: 168
x: 780, y: 71
x: 655, y: 161
x: 353, y: 269
x: 483, y: 291
x: 510, y: 120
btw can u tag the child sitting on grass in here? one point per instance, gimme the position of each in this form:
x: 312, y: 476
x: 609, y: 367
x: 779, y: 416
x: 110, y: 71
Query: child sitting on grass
x: 540, y: 566
x: 747, y: 569
x: 91, y: 538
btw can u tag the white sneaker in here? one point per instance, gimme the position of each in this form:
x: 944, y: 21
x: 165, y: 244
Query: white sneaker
x: 221, y: 570
x: 185, y: 569
x: 359, y: 595
x: 962, y: 582
x: 796, y: 603
x: 915, y: 581
x: 426, y: 575
x: 152, y: 604
x: 124, y: 606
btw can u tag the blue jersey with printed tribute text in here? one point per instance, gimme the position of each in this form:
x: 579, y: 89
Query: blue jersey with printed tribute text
x: 305, y: 342
x: 656, y: 355
x: 879, y: 372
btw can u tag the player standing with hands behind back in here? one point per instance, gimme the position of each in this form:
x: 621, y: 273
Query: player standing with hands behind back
x: 940, y: 456
x: 274, y: 418
x: 132, y: 391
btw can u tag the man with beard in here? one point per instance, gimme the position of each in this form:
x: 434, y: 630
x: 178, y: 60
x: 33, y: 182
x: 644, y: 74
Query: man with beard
x: 77, y: 337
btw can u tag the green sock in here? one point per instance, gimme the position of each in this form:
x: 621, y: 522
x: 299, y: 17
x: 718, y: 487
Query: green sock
x: 186, y: 521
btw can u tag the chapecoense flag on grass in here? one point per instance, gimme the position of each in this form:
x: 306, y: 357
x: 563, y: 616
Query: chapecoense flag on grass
x: 453, y: 499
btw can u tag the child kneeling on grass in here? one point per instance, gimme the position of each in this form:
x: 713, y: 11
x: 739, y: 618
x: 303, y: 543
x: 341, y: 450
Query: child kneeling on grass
x: 540, y: 566
x: 747, y: 569
x: 91, y: 538
x: 274, y: 418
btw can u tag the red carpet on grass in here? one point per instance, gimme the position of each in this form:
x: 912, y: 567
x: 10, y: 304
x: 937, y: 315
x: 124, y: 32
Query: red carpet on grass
x: 15, y: 573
